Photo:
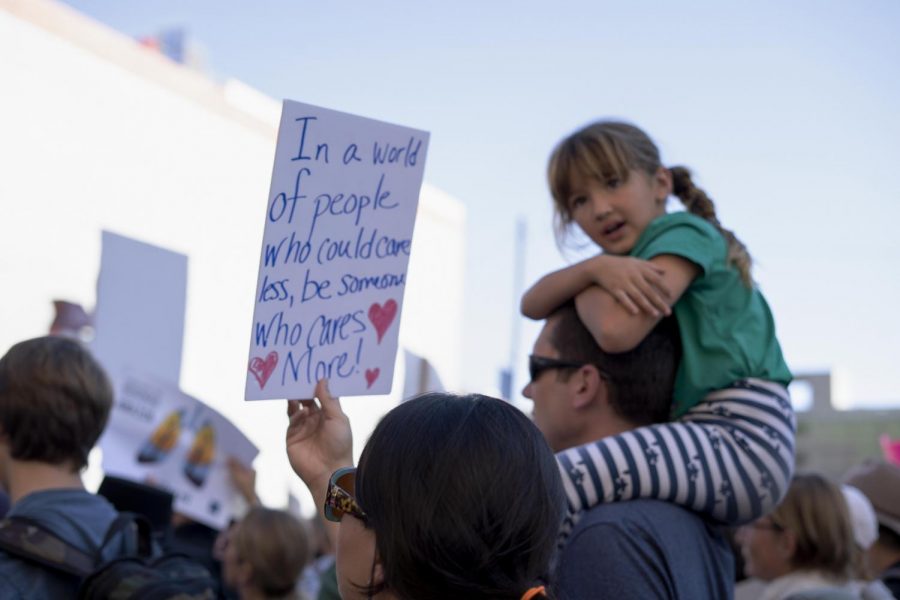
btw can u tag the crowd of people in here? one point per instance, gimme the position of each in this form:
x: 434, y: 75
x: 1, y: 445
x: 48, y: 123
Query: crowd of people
x: 658, y: 461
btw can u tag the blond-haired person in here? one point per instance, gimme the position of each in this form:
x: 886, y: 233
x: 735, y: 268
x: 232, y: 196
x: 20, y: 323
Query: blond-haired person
x: 805, y: 549
x: 265, y: 554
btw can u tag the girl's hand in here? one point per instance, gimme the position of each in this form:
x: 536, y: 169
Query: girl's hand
x: 319, y: 440
x: 635, y: 283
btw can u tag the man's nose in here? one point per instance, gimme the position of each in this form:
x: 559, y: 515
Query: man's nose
x: 526, y: 391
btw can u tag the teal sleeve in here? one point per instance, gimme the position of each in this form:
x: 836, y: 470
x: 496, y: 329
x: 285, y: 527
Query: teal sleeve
x: 684, y: 235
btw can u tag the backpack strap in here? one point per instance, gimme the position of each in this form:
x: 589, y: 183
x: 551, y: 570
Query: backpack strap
x: 30, y: 540
x: 139, y: 535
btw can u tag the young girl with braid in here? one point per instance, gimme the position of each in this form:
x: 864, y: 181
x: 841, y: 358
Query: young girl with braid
x: 729, y: 450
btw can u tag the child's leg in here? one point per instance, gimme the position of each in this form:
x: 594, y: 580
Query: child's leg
x: 730, y: 457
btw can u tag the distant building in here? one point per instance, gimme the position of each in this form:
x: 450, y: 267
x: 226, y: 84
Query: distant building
x: 102, y: 132
x: 830, y: 440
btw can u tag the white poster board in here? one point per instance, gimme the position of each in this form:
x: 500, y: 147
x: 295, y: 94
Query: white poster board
x: 339, y: 225
x: 139, y: 317
x: 420, y: 376
x: 160, y: 435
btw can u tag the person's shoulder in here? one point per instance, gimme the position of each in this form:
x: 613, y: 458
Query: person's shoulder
x: 21, y: 578
x: 635, y: 549
x: 647, y: 519
x: 68, y: 505
x: 640, y: 509
x: 77, y: 517
x: 9, y: 563
x: 682, y: 234
x: 683, y: 221
x: 626, y: 518
x: 621, y: 548
x: 54, y: 497
x: 9, y: 591
x: 683, y: 218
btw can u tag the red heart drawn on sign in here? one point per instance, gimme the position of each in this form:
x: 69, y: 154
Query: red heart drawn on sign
x: 262, y: 369
x: 382, y: 316
x: 371, y: 376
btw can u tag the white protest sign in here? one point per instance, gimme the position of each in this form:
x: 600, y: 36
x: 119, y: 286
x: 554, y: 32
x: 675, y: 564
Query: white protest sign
x: 139, y: 318
x: 158, y: 434
x: 339, y: 225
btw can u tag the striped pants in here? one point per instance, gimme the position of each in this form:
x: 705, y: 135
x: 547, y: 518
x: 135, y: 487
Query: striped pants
x: 730, y: 457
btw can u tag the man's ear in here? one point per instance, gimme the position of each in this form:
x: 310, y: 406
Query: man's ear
x: 588, y: 385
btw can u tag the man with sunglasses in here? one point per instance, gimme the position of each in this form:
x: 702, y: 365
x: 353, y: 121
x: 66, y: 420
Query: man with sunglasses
x: 635, y: 549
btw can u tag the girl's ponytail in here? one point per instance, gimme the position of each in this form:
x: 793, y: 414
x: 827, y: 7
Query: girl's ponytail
x: 697, y: 202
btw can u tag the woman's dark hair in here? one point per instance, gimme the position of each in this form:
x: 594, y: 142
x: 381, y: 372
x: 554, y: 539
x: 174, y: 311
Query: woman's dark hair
x: 464, y: 497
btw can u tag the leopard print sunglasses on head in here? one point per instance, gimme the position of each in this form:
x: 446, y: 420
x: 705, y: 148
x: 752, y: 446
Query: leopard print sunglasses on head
x: 339, y: 499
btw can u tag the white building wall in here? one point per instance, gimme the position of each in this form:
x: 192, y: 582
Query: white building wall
x: 99, y: 133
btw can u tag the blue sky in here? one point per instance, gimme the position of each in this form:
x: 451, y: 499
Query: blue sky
x: 787, y: 112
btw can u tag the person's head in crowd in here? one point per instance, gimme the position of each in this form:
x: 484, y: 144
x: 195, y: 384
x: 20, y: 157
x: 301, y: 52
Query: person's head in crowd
x: 455, y: 497
x: 582, y: 393
x: 54, y: 403
x: 864, y: 524
x: 880, y: 482
x: 810, y: 531
x: 265, y: 554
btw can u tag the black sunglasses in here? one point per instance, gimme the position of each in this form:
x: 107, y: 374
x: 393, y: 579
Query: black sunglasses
x: 539, y: 364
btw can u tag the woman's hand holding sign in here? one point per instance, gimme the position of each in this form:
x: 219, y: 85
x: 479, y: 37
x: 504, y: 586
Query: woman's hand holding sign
x: 319, y: 439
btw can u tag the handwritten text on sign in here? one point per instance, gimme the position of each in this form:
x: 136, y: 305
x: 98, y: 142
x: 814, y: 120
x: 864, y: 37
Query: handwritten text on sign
x: 336, y: 246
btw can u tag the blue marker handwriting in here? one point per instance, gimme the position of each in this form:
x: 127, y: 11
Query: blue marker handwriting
x: 365, y: 245
x: 331, y: 217
x: 334, y: 204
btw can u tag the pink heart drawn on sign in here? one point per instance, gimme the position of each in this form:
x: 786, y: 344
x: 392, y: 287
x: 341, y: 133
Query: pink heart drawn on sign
x: 371, y: 376
x: 382, y: 317
x: 262, y: 369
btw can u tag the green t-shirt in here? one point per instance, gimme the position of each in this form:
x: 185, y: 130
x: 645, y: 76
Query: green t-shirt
x: 727, y: 331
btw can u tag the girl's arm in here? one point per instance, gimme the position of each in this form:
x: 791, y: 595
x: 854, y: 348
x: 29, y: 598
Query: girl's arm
x: 615, y: 328
x: 553, y: 290
x: 638, y: 284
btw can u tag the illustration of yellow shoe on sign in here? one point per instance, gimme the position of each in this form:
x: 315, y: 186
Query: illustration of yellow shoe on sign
x: 163, y: 439
x: 200, y: 457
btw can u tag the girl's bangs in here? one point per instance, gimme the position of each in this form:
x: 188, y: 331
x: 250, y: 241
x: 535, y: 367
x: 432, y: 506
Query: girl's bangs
x: 586, y: 156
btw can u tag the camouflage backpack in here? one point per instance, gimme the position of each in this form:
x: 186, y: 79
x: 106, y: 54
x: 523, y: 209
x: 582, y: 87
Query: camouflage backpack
x: 136, y: 574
